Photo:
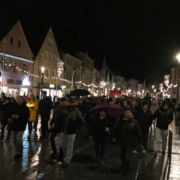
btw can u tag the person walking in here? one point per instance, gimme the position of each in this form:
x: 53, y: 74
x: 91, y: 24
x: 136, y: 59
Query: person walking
x: 100, y: 130
x: 164, y: 117
x: 125, y: 133
x: 45, y: 106
x: 71, y: 120
x: 19, y: 118
x: 33, y: 108
x: 143, y: 117
x: 7, y: 109
x: 55, y: 124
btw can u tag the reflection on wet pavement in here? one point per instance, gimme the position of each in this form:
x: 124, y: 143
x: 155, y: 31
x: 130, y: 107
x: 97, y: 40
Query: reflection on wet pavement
x: 37, y: 164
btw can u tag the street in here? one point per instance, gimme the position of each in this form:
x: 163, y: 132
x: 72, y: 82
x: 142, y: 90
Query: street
x: 37, y: 164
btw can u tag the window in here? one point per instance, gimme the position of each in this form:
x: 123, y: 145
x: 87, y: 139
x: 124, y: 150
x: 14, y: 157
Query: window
x: 24, y: 68
x: 42, y: 56
x: 19, y: 43
x: 54, y: 58
x: 53, y: 73
x: 11, y: 40
x: 47, y: 73
x: 46, y: 55
x: 50, y: 42
x: 50, y: 57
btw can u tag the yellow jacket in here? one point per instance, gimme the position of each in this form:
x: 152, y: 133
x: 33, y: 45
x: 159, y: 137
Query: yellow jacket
x: 33, y: 112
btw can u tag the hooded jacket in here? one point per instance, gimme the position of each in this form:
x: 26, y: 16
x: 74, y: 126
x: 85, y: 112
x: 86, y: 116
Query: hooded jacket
x: 33, y: 111
x: 164, y: 118
x: 126, y: 131
x: 98, y: 128
x: 71, y: 120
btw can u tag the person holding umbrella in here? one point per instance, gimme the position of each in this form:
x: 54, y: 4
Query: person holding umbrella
x: 101, y: 127
x: 125, y: 133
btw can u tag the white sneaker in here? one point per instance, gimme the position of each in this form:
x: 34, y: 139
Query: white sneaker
x: 144, y: 151
x: 135, y: 152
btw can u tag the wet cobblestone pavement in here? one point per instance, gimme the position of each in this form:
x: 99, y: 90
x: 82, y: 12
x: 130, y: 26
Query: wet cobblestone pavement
x: 37, y: 164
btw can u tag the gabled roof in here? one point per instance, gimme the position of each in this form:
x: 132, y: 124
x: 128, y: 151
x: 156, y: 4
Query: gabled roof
x: 6, y: 28
x: 35, y: 34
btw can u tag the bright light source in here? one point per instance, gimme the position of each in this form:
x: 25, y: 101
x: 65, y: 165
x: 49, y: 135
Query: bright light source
x: 51, y: 86
x: 42, y: 69
x: 26, y: 82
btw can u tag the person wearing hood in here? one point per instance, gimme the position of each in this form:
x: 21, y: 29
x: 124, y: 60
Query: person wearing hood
x: 125, y: 133
x: 71, y: 120
x: 7, y: 109
x: 164, y: 117
x: 154, y: 107
x: 100, y: 129
x: 143, y: 117
x: 33, y: 108
x: 19, y: 118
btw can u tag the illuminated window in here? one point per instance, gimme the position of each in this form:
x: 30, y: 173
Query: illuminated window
x: 47, y: 73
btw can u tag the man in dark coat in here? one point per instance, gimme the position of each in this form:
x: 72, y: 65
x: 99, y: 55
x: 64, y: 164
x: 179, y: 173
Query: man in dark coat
x: 101, y: 127
x: 45, y: 106
x: 164, y: 117
x: 143, y: 117
x: 7, y: 109
x: 19, y: 119
x: 125, y: 133
x: 56, y: 121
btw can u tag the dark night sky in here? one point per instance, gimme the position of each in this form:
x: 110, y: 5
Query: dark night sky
x: 138, y: 38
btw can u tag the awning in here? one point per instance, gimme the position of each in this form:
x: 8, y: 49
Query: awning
x: 114, y: 92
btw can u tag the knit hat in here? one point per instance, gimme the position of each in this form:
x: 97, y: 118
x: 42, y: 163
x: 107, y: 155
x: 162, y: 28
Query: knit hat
x: 144, y: 103
x: 165, y: 102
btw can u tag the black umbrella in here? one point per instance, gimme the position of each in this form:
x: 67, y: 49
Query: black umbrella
x: 80, y: 92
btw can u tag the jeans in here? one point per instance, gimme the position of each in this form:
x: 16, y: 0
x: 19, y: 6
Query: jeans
x: 99, y: 145
x: 66, y: 142
x: 44, y: 125
x: 17, y: 139
x: 30, y: 126
x: 125, y: 155
x: 52, y: 140
x: 160, y: 139
x: 2, y: 131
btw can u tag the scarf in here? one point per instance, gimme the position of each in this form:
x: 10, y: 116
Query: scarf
x: 127, y: 118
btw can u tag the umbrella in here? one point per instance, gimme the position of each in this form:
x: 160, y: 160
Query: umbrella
x: 80, y: 92
x: 112, y: 109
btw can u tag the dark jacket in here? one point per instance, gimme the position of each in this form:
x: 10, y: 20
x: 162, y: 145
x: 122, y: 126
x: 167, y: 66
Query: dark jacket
x: 144, y: 120
x: 23, y: 112
x: 1, y: 110
x: 70, y: 120
x: 126, y: 131
x: 98, y: 128
x: 164, y: 118
x: 7, y: 110
x: 56, y: 118
x: 45, y: 106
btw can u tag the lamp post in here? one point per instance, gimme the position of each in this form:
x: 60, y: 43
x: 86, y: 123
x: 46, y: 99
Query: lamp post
x: 42, y: 76
x: 152, y: 91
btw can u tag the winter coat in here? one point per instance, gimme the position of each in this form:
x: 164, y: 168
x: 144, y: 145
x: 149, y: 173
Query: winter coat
x: 164, y: 118
x: 153, y: 108
x: 45, y: 106
x: 70, y: 120
x: 56, y: 120
x: 7, y: 110
x: 144, y: 120
x: 33, y: 108
x: 98, y: 128
x: 1, y: 110
x: 126, y: 131
x: 23, y: 112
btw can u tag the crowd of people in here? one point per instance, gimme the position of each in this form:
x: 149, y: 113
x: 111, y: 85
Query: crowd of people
x: 130, y: 130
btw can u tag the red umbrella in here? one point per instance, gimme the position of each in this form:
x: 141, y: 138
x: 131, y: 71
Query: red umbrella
x: 112, y: 109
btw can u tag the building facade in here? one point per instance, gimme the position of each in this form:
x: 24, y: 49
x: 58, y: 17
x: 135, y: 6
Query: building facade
x: 18, y: 67
x: 47, y: 58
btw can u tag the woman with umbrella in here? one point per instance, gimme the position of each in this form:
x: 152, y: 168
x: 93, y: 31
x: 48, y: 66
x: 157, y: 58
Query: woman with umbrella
x: 100, y: 130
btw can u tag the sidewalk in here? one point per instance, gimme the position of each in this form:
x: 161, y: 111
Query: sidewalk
x: 162, y: 168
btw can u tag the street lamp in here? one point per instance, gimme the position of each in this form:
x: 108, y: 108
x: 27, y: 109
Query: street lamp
x: 42, y: 76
